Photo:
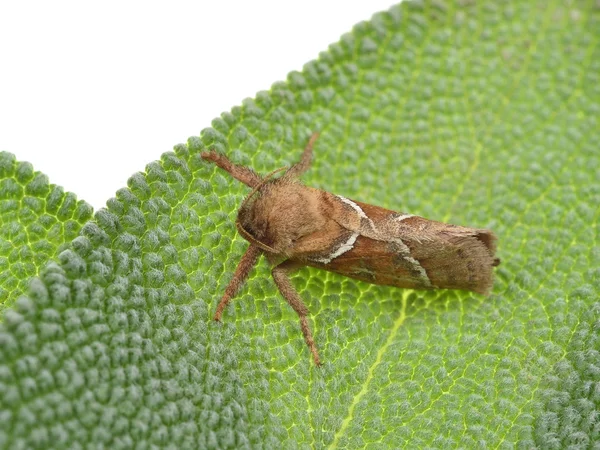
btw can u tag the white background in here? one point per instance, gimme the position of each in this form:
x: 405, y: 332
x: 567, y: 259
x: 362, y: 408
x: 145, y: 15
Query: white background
x: 90, y: 92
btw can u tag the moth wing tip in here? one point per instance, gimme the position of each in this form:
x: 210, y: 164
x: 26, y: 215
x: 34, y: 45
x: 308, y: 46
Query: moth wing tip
x: 483, y: 290
x: 484, y: 285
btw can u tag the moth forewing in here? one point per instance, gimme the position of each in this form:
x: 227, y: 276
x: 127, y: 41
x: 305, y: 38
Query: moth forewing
x: 440, y: 255
x: 295, y: 226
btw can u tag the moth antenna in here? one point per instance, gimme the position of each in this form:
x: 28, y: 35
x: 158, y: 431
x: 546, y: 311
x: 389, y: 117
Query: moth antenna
x: 244, y: 174
x: 239, y: 226
x: 304, y: 164
x: 252, y: 239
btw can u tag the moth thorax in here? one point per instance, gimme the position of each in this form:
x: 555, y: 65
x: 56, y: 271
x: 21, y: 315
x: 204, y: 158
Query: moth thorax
x: 280, y: 214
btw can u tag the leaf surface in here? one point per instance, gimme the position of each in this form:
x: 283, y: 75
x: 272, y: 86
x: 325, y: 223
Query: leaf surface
x: 476, y: 113
x: 37, y: 221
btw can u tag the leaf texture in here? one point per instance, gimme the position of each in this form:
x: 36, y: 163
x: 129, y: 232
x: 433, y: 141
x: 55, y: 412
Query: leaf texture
x: 483, y: 114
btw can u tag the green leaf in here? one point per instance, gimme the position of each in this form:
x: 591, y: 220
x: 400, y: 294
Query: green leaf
x: 476, y: 113
x: 37, y: 219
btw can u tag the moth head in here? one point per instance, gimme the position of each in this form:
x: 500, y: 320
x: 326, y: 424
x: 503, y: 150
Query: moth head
x: 279, y: 214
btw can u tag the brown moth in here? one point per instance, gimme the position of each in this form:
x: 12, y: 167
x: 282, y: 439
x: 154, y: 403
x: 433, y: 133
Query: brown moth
x: 295, y: 225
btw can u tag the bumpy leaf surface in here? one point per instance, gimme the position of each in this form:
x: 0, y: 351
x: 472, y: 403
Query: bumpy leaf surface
x: 37, y: 219
x: 476, y: 113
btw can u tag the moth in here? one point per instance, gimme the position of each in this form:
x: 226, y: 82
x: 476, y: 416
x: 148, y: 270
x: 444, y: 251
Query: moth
x: 294, y: 225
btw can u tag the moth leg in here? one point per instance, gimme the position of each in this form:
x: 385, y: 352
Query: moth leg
x: 281, y: 276
x: 244, y: 174
x: 304, y: 164
x: 241, y: 273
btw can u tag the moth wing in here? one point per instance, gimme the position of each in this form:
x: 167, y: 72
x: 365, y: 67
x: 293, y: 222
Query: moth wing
x: 347, y: 252
x: 376, y: 262
x: 423, y: 253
